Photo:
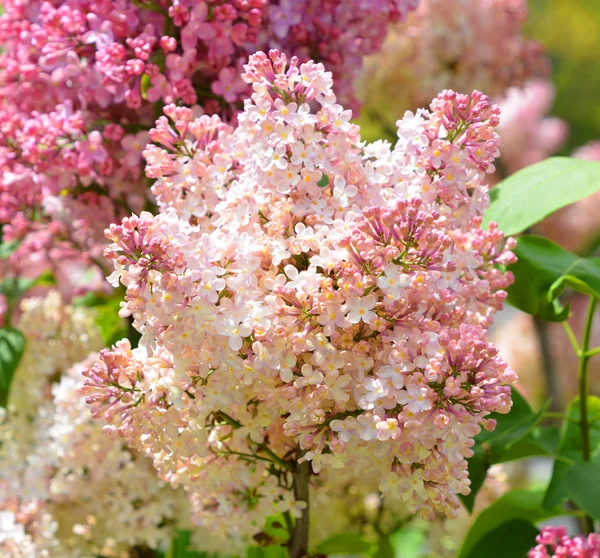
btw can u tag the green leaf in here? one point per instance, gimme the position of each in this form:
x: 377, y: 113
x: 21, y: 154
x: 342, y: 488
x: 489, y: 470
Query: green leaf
x: 583, y: 486
x: 511, y: 539
x: 385, y: 549
x: 525, y: 505
x: 180, y: 548
x: 494, y: 447
x: 542, y: 440
x: 145, y: 85
x: 531, y: 194
x: 15, y: 287
x: 7, y: 248
x: 273, y: 551
x: 543, y: 271
x: 275, y: 528
x: 112, y: 327
x: 323, y: 181
x: 569, y: 449
x: 12, y: 346
x: 347, y: 543
x: 409, y: 542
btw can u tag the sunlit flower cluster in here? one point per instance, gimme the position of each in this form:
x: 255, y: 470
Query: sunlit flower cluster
x: 65, y: 488
x: 302, y: 294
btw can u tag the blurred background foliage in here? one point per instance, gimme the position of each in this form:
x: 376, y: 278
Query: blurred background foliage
x: 570, y: 33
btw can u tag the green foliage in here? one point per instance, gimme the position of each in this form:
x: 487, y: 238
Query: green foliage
x: 410, y: 541
x: 569, y: 32
x: 531, y: 194
x: 275, y: 528
x: 112, y: 327
x: 323, y: 181
x: 15, y: 287
x: 495, y: 447
x: 7, y: 248
x: 145, y: 85
x: 522, y: 505
x: 347, y: 543
x: 583, y: 486
x: 12, y: 346
x: 511, y: 539
x: 180, y: 548
x: 385, y: 548
x: 542, y: 273
x: 570, y: 453
x: 272, y: 551
x: 542, y: 440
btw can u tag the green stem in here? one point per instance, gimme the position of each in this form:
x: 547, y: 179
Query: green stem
x: 593, y: 352
x: 548, y: 363
x: 572, y: 338
x: 561, y: 416
x: 274, y: 457
x: 584, y: 425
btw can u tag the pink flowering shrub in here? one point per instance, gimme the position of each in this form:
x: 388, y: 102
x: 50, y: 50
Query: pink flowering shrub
x: 555, y: 543
x: 82, y: 83
x: 304, y: 296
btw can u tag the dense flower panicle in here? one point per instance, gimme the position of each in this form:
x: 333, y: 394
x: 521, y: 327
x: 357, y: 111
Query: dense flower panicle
x: 65, y: 488
x: 327, y: 296
x: 82, y: 83
x: 555, y: 543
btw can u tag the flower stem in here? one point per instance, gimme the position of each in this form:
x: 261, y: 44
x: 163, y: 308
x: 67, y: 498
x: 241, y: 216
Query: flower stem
x: 584, y: 425
x: 299, y: 540
x: 548, y: 363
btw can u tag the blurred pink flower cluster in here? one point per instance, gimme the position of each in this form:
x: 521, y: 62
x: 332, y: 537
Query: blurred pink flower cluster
x: 528, y: 134
x: 82, y: 83
x: 303, y: 296
x: 555, y: 543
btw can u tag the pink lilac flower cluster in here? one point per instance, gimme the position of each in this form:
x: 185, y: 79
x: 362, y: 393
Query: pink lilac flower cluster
x: 83, y: 82
x: 303, y: 295
x: 458, y: 44
x: 555, y: 543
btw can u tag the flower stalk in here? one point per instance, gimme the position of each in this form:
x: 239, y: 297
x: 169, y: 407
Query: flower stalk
x: 298, y: 546
x: 584, y: 425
